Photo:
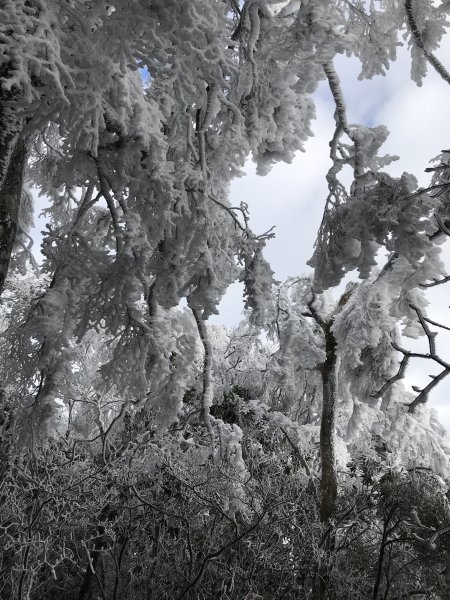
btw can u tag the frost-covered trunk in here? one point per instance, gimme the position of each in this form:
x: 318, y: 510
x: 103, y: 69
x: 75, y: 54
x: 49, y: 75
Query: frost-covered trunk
x: 208, y: 389
x: 328, y: 482
x: 12, y: 163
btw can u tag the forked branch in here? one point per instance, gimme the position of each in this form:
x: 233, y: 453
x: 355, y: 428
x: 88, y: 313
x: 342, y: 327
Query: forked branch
x: 432, y: 355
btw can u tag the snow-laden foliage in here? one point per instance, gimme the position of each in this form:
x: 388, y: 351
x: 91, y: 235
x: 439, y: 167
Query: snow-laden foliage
x: 390, y: 215
x: 138, y: 174
x: 143, y: 451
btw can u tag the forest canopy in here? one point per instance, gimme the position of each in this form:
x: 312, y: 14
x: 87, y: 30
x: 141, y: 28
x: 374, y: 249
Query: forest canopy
x: 146, y: 453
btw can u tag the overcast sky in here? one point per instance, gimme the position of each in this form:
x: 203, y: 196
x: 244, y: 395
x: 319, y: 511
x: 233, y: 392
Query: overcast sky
x: 292, y: 196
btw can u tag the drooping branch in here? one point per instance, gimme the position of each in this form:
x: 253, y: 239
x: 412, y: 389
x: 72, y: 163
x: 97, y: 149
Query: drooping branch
x: 422, y: 398
x: 85, y: 203
x: 211, y: 103
x: 435, y: 282
x: 190, y: 148
x: 431, y: 58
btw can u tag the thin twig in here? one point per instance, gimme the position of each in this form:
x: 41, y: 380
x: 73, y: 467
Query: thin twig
x: 435, y: 282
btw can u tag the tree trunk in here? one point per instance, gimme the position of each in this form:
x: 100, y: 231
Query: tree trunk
x: 328, y: 481
x: 12, y: 164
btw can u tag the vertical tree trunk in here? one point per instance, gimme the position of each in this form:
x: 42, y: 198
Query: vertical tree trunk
x: 12, y: 164
x: 328, y: 482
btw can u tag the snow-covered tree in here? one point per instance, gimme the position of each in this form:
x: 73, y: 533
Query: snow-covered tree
x: 120, y: 405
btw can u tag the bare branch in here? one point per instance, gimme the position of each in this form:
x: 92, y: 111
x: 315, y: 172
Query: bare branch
x: 431, y: 335
x: 230, y: 210
x: 442, y: 226
x: 436, y: 324
x: 399, y: 375
x: 435, y: 282
x: 423, y: 394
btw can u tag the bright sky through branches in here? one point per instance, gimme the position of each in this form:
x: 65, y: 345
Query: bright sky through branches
x: 292, y: 196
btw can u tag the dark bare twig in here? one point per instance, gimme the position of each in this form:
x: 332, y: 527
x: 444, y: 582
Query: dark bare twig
x: 230, y: 210
x: 435, y: 282
x: 399, y: 375
x: 432, y: 354
x: 436, y: 324
x: 431, y: 335
x: 442, y: 225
